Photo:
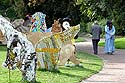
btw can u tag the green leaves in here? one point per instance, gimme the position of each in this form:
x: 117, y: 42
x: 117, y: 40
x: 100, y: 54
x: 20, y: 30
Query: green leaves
x: 108, y: 9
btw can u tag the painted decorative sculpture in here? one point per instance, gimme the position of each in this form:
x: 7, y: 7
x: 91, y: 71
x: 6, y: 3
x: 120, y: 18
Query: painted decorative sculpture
x: 20, y: 51
x: 39, y: 24
x: 67, y: 52
x: 56, y: 49
x: 52, y: 48
x: 56, y: 27
x: 21, y: 25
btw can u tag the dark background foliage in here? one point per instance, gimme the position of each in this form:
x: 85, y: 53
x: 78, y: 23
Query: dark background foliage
x: 80, y: 11
x: 55, y: 9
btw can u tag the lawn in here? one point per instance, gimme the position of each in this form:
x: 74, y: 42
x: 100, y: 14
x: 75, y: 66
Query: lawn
x: 80, y: 39
x: 91, y: 65
x: 119, y: 43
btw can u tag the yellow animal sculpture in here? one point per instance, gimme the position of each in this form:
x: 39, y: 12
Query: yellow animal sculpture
x: 54, y: 48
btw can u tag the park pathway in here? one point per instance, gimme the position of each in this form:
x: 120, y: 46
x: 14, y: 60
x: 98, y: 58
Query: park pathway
x: 114, y: 65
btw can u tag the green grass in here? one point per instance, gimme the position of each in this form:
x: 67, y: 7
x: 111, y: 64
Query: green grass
x: 119, y: 43
x: 92, y: 64
x: 80, y: 39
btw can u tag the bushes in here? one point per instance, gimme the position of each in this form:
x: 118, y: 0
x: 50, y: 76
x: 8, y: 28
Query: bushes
x: 12, y: 8
x: 11, y: 13
x: 87, y: 27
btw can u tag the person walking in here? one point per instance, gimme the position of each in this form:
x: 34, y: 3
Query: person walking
x: 109, y: 38
x: 96, y: 31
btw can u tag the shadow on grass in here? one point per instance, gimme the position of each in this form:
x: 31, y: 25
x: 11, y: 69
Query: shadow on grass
x: 31, y: 82
x: 37, y: 82
x: 45, y: 70
x: 94, y: 64
x: 73, y: 69
x: 27, y: 82
x: 3, y: 47
x: 60, y: 73
x: 79, y: 69
x: 24, y: 82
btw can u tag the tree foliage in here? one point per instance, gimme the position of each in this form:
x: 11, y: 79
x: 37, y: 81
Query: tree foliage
x: 12, y: 8
x: 55, y: 9
x: 109, y: 9
x: 78, y: 10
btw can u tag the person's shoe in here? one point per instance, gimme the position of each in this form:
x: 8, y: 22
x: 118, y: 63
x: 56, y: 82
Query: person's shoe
x: 110, y: 53
x: 107, y: 53
x: 96, y: 53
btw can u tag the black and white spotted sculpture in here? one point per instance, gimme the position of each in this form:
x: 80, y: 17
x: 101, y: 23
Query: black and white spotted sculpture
x: 20, y: 51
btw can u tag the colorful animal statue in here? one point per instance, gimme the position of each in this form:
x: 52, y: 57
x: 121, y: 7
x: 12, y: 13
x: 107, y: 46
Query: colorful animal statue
x: 55, y: 49
x: 48, y: 55
x: 20, y: 51
x: 56, y: 27
x: 22, y: 25
x: 35, y: 37
x: 68, y: 50
x: 31, y: 23
x: 65, y: 23
x: 39, y: 24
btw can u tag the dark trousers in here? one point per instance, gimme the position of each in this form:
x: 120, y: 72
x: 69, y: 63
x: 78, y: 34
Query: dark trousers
x: 95, y: 45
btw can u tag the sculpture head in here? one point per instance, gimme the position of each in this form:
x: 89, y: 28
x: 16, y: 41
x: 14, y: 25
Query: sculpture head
x: 56, y: 26
x: 38, y: 21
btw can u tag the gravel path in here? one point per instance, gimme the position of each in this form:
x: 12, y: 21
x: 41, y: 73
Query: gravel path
x: 114, y: 65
